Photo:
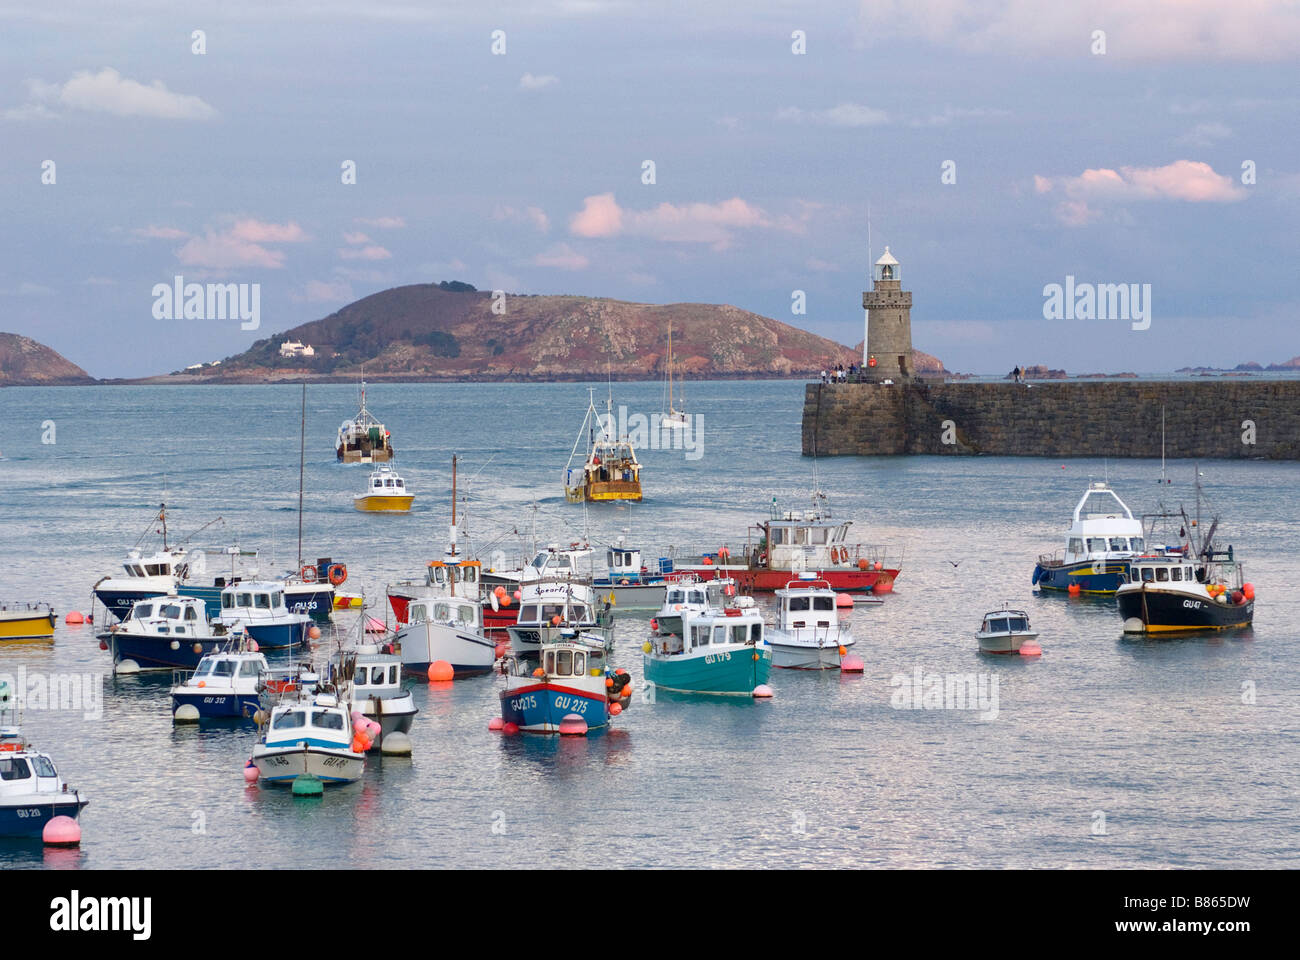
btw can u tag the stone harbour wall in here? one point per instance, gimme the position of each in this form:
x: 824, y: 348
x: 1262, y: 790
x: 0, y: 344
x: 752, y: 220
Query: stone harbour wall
x: 1212, y: 419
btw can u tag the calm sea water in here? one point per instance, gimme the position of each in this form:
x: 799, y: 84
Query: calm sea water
x: 1155, y: 742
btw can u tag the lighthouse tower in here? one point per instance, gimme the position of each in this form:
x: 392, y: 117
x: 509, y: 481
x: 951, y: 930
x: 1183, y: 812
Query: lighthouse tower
x: 889, y: 324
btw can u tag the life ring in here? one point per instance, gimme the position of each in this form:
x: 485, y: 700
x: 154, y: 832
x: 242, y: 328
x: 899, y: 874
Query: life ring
x: 338, y: 573
x: 308, y: 573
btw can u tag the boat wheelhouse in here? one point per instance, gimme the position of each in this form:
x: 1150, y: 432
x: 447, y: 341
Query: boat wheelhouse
x: 722, y: 651
x: 548, y: 608
x: 166, y: 633
x: 225, y: 685
x: 143, y: 576
x: 258, y: 607
x: 569, y: 678
x: 24, y: 620
x: 633, y: 585
x: 374, y: 687
x: 808, y: 634
x: 363, y: 439
x: 445, y: 627
x: 386, y: 493
x: 684, y: 594
x: 1103, y: 537
x: 308, y: 737
x: 610, y: 471
x: 1006, y: 630
x: 31, y: 791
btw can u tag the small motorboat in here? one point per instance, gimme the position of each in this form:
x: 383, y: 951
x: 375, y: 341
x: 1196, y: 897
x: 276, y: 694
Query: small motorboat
x: 20, y: 620
x: 809, y: 634
x: 1007, y: 630
x: 258, y: 606
x: 166, y: 633
x: 386, y: 493
x: 309, y: 737
x: 447, y: 628
x: 225, y: 686
x: 569, y: 688
x: 633, y: 585
x: 31, y: 791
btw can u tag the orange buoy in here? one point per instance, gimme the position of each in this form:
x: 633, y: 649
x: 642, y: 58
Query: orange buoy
x: 1074, y: 589
x: 502, y: 649
x: 843, y: 600
x: 506, y: 601
x: 250, y: 772
x: 842, y: 650
x: 615, y: 709
x: 314, y: 632
x: 74, y: 617
x: 539, y: 672
x: 863, y: 564
x: 555, y: 620
x: 500, y: 592
x: 1248, y: 591
x: 441, y: 671
x: 708, y: 561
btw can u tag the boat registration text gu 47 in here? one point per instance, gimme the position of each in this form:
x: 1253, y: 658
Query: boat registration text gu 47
x: 611, y: 470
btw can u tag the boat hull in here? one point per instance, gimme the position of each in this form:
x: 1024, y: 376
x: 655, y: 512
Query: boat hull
x: 607, y: 491
x: 218, y: 706
x: 314, y: 599
x: 27, y: 816
x: 763, y: 580
x: 540, y: 707
x: 1090, y: 576
x: 729, y: 673
x: 281, y: 764
x: 383, y: 504
x: 632, y: 596
x: 277, y: 636
x: 1168, y: 611
x: 152, y: 652
x: 26, y: 627
x: 422, y: 644
x: 788, y: 656
x: 1005, y: 643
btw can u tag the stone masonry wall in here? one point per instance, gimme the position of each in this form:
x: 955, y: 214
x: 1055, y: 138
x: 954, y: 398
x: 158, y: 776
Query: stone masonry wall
x: 1203, y: 418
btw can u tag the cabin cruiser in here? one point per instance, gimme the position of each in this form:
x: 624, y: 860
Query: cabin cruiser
x: 225, y: 685
x: 610, y: 470
x: 568, y: 679
x: 1102, y: 539
x: 363, y: 439
x: 31, y: 791
x: 166, y: 633
x: 1007, y: 630
x: 723, y: 650
x: 633, y: 585
x: 553, y: 562
x: 809, y: 634
x: 549, y: 607
x: 386, y: 493
x: 309, y: 737
x: 258, y: 607
x: 21, y: 620
x: 790, y: 543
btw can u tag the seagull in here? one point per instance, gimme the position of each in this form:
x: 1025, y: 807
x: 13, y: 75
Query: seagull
x: 954, y: 563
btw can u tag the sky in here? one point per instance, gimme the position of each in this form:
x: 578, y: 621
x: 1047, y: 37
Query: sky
x: 996, y: 146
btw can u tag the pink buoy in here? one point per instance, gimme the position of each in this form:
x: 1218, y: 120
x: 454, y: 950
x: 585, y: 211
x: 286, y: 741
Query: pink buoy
x: 762, y: 691
x: 852, y: 664
x: 357, y: 715
x: 373, y: 729
x: 510, y: 729
x: 843, y: 600
x: 250, y: 772
x: 495, y: 724
x: 518, y: 595
x: 252, y: 646
x: 62, y: 832
x: 1031, y: 650
x: 502, y: 649
x: 573, y: 726
x: 75, y: 617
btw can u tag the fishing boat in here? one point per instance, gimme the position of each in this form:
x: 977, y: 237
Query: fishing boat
x: 23, y: 620
x: 31, y: 791
x: 258, y: 607
x: 1196, y: 586
x: 374, y: 687
x: 675, y: 414
x: 684, y: 594
x: 552, y: 561
x: 548, y: 608
x: 568, y: 682
x: 386, y: 493
x: 808, y: 634
x: 632, y: 585
x: 363, y: 439
x: 165, y: 633
x: 224, y: 686
x: 309, y: 737
x: 1103, y: 537
x: 445, y: 627
x: 722, y: 651
x: 1007, y: 630
x: 610, y: 471
x: 789, y: 543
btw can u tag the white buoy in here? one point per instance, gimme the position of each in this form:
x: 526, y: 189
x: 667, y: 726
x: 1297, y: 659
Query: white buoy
x: 1133, y: 625
x: 186, y: 713
x: 762, y: 691
x: 126, y: 666
x: 396, y: 744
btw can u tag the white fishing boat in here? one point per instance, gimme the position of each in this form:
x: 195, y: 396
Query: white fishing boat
x: 374, y: 687
x: 258, y: 607
x: 809, y: 634
x: 363, y: 439
x: 447, y: 628
x: 309, y: 737
x: 386, y: 493
x: 548, y: 608
x: 684, y: 594
x: 31, y: 791
x: 225, y: 685
x: 1103, y: 537
x: 1007, y: 630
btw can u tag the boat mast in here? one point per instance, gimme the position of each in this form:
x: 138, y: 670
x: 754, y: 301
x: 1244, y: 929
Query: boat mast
x: 302, y: 463
x: 452, y: 549
x: 1162, y: 444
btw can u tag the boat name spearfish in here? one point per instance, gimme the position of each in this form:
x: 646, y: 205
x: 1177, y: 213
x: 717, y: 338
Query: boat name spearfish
x: 654, y: 433
x: 950, y: 691
x: 72, y: 914
x: 212, y: 301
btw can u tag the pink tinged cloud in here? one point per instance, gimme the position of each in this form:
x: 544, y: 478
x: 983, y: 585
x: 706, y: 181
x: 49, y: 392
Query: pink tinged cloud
x: 371, y: 252
x: 154, y: 232
x: 600, y: 216
x: 711, y: 223
x: 1190, y: 181
x: 562, y: 257
x: 243, y: 244
x: 355, y: 238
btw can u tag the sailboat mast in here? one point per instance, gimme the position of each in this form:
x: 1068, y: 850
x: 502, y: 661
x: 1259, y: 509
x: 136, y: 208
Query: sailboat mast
x: 670, y: 367
x: 302, y: 464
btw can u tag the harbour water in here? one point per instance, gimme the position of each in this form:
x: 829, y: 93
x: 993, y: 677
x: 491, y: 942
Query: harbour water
x: 1107, y: 752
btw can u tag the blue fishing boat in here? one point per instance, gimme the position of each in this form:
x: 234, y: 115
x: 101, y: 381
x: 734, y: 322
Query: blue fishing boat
x: 1103, y: 538
x: 31, y: 791
x: 165, y: 633
x: 259, y: 608
x: 569, y: 681
x: 225, y: 686
x: 720, y: 651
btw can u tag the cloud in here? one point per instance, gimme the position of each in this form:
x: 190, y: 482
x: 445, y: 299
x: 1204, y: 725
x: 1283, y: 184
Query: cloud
x: 533, y: 215
x: 154, y: 232
x: 242, y: 244
x: 355, y: 238
x: 382, y: 223
x: 950, y: 113
x: 1250, y: 30
x: 563, y: 257
x: 370, y: 252
x: 323, y: 291
x: 1186, y: 180
x: 844, y: 115
x: 541, y: 82
x: 711, y: 223
x: 1205, y: 134
x: 109, y: 92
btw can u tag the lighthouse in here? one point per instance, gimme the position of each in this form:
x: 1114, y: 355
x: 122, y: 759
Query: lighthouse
x: 888, y: 347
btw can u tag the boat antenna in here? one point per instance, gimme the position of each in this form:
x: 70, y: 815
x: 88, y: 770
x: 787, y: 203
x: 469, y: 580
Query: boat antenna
x: 302, y: 462
x: 1162, y: 445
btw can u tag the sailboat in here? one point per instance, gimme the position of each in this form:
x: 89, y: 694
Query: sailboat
x: 611, y: 470
x: 673, y: 417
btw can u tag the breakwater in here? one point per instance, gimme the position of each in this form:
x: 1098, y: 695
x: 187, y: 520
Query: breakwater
x: 1211, y: 419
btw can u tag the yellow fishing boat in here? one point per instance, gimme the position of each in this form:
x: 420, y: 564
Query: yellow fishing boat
x: 26, y: 621
x: 387, y: 493
x: 611, y: 470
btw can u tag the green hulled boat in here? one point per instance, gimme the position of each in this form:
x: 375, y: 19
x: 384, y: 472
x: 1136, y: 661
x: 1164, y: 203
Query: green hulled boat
x: 721, y: 651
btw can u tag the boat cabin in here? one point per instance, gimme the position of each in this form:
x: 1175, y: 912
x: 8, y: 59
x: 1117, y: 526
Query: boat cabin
x: 449, y: 575
x: 255, y: 599
x: 542, y: 610
x: 321, y: 719
x: 375, y: 675
x: 166, y: 563
x: 175, y: 616
x: 229, y: 669
x: 555, y: 562
x: 571, y: 659
x: 806, y: 604
x: 794, y: 542
x: 385, y: 483
x: 1005, y: 621
x: 624, y: 563
x: 1103, y: 528
x: 452, y: 611
x: 694, y: 594
x: 1173, y: 570
x: 718, y: 632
